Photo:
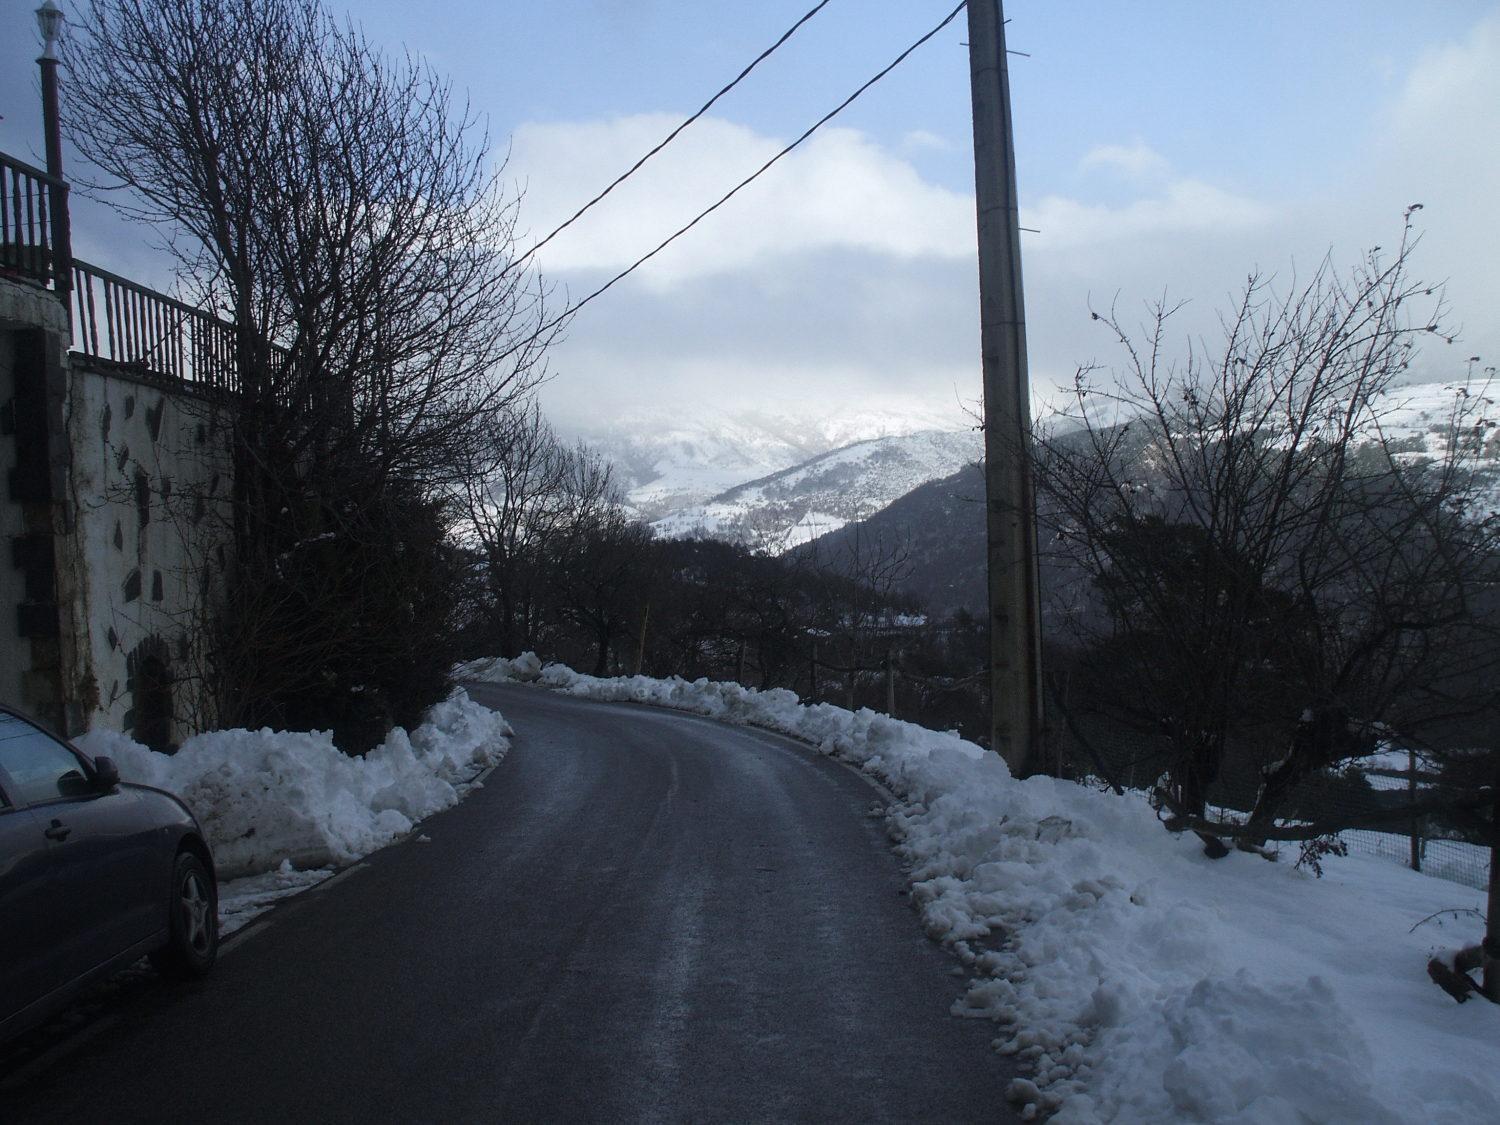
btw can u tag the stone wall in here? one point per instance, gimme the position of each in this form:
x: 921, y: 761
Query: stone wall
x: 37, y: 652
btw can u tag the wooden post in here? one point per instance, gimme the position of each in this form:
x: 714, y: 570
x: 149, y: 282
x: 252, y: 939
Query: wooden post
x: 1411, y: 793
x: 890, y: 683
x: 812, y: 674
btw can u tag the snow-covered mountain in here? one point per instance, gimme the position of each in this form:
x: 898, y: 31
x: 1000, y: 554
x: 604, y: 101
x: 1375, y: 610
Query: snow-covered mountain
x: 943, y: 521
x: 791, y: 507
x: 666, y: 462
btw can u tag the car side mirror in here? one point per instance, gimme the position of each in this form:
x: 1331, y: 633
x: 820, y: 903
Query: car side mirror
x: 106, y: 774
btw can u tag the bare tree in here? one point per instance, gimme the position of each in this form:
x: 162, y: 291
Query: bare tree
x: 602, y: 567
x: 1271, y: 581
x: 336, y: 202
x: 863, y: 574
x: 340, y: 206
x: 515, y: 501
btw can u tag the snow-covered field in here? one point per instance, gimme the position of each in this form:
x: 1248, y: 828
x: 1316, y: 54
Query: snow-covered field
x: 1138, y: 979
x: 282, y: 808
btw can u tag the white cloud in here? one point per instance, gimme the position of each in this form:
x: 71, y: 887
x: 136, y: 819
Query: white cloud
x: 1438, y: 148
x: 839, y: 190
x: 1185, y: 207
x: 920, y: 139
x: 844, y: 276
x: 1138, y: 161
x: 1432, y: 142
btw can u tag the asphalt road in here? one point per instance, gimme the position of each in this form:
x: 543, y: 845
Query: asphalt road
x: 642, y: 916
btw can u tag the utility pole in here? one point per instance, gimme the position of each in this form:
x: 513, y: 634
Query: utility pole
x: 1010, y: 507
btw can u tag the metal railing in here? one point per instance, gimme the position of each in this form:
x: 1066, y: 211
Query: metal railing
x: 29, y: 198
x: 119, y: 321
x: 114, y: 320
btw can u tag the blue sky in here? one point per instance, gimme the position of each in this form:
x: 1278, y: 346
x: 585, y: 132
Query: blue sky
x: 1164, y: 146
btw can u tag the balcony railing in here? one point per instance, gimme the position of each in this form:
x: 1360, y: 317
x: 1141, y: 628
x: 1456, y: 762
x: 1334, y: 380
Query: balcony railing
x: 116, y: 320
x: 28, y: 227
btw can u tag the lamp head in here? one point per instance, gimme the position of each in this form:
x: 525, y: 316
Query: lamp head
x: 49, y: 18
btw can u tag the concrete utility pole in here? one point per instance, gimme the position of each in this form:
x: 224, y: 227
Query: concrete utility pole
x: 1015, y: 635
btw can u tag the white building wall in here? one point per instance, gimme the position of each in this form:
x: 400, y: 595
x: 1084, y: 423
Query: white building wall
x: 150, y: 481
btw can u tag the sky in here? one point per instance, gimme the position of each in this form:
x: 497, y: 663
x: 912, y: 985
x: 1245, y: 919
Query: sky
x: 1163, y: 148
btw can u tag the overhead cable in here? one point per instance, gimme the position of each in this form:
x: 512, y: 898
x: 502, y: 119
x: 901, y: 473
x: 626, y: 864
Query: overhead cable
x: 670, y: 137
x: 827, y: 117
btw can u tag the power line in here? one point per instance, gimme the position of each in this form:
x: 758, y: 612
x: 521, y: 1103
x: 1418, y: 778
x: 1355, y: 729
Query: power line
x: 670, y: 137
x: 827, y: 117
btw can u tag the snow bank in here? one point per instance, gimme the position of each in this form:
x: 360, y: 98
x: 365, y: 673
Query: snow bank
x: 264, y: 797
x: 498, y: 670
x: 1138, y: 979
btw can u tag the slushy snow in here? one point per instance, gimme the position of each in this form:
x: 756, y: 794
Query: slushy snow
x: 1136, y: 978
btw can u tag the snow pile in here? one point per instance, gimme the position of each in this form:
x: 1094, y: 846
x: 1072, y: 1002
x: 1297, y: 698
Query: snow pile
x: 499, y: 670
x: 264, y: 797
x: 1138, y: 979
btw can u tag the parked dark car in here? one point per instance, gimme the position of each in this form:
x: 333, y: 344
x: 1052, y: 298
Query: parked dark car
x: 94, y: 873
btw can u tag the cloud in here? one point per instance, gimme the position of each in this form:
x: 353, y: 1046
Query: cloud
x: 1437, y: 147
x: 921, y: 140
x: 1185, y: 207
x: 1186, y: 237
x: 1138, y: 161
x: 822, y: 330
x: 840, y: 190
x: 846, y: 278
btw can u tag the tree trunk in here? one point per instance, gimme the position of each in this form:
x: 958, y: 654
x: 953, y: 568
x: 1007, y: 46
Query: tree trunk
x: 1321, y: 737
x: 601, y: 662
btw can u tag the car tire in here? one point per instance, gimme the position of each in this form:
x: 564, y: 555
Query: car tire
x: 193, y: 945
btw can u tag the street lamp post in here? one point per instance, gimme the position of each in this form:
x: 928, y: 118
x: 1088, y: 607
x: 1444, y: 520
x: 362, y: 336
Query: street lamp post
x: 49, y: 19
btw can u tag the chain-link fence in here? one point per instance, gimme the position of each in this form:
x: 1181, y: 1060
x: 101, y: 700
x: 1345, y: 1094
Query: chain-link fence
x: 1427, y: 844
x: 1447, y: 848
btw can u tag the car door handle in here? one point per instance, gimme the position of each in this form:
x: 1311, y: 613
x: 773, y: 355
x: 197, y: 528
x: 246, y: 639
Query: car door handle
x: 58, y: 831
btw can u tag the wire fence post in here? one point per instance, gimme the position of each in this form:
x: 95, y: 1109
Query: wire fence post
x: 1411, y: 793
x: 890, y: 684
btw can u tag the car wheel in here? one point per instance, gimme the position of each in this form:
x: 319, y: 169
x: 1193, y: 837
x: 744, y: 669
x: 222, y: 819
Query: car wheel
x: 194, y: 942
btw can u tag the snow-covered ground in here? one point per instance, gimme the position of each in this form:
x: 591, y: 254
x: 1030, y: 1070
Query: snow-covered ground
x: 1138, y: 979
x: 1422, y: 420
x: 281, y: 809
